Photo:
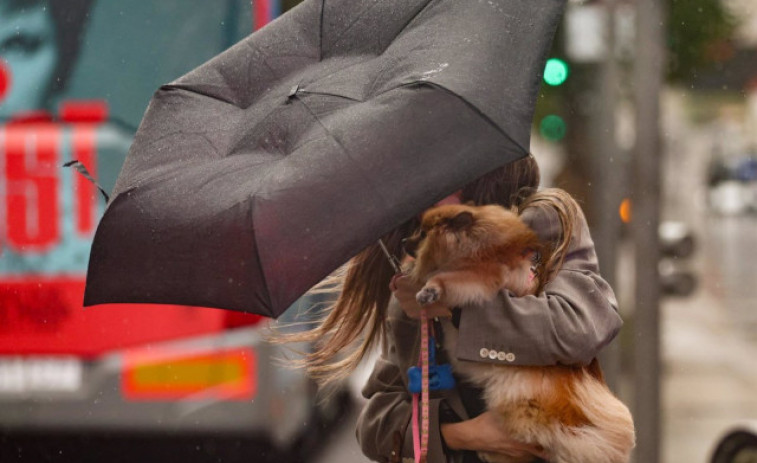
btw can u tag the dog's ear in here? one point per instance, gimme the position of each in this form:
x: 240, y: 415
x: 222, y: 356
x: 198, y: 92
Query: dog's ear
x: 460, y: 221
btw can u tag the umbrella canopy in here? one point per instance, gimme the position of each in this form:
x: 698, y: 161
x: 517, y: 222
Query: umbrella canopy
x: 257, y: 174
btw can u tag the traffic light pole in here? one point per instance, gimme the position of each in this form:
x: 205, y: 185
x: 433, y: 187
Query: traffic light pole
x: 606, y: 166
x: 648, y: 78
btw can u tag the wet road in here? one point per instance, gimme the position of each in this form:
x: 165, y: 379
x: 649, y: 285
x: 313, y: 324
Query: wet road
x: 729, y: 272
x: 342, y: 446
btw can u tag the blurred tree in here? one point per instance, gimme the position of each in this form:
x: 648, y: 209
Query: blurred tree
x: 700, y: 35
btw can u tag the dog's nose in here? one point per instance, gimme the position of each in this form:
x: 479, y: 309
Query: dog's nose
x: 410, y: 245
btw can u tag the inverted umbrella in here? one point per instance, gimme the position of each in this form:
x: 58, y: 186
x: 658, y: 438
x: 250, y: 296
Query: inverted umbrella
x: 257, y: 174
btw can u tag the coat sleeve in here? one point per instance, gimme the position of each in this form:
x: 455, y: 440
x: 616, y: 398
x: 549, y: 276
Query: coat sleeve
x: 383, y: 427
x: 568, y: 323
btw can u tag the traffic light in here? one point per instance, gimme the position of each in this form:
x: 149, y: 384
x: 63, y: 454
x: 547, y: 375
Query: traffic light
x: 556, y: 72
x: 552, y: 126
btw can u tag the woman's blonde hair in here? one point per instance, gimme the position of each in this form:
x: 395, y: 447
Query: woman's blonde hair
x: 355, y: 322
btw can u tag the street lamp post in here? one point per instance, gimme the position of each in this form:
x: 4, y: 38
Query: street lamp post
x: 648, y: 78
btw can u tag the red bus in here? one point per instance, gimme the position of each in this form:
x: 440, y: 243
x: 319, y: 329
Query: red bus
x: 74, y: 81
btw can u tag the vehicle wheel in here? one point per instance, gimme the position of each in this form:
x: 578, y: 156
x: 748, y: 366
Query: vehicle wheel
x: 739, y: 446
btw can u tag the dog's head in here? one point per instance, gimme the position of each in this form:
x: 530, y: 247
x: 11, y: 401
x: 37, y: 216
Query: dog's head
x: 458, y: 232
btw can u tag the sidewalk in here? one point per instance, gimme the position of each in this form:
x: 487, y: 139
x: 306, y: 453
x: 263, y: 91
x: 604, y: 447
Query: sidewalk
x: 709, y: 378
x: 709, y: 340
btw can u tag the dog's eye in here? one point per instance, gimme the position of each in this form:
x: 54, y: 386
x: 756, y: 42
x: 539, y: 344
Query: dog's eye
x: 423, y: 234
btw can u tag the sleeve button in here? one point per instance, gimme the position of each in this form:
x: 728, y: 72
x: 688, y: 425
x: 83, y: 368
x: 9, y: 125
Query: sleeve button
x: 510, y: 357
x: 493, y: 354
x: 484, y: 352
x: 501, y: 356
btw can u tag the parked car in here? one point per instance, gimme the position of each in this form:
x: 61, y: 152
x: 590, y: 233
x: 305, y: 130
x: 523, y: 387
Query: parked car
x: 737, y: 445
x: 732, y: 182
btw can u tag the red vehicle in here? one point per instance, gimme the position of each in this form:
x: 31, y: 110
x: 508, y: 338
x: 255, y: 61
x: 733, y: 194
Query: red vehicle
x: 140, y: 379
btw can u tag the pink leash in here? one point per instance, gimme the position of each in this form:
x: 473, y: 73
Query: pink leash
x: 420, y: 438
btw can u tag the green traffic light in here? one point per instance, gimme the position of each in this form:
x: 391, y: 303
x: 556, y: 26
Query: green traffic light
x: 556, y: 72
x: 553, y: 128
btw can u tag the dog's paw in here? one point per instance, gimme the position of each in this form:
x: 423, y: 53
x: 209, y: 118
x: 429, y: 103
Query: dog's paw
x: 428, y: 295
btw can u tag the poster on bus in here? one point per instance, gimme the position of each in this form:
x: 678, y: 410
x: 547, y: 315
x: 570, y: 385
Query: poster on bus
x: 75, y: 79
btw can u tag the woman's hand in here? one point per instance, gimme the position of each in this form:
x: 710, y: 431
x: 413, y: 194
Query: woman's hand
x: 484, y: 433
x: 405, y: 290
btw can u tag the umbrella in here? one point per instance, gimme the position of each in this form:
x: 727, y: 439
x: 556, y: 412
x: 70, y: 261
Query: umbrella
x: 257, y: 174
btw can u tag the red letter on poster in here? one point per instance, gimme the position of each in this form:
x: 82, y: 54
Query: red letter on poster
x: 85, y: 152
x: 32, y: 189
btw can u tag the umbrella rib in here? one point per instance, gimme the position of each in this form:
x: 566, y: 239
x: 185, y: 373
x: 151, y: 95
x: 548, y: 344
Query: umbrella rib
x: 351, y: 24
x: 267, y: 295
x: 363, y: 13
x: 414, y: 17
x: 323, y: 126
x: 468, y: 103
x: 202, y: 135
x: 325, y: 129
x: 265, y: 58
x: 335, y: 95
x: 320, y: 34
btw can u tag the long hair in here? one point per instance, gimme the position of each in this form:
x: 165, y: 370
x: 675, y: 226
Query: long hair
x: 568, y: 211
x: 355, y: 322
x: 71, y: 18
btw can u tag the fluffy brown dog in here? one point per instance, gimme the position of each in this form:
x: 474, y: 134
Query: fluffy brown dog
x: 466, y: 255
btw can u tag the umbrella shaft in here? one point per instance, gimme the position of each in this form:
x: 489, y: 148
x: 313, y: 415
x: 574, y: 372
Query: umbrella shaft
x: 392, y: 259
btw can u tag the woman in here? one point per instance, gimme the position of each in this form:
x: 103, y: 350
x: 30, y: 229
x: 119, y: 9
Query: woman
x: 39, y: 43
x: 568, y: 323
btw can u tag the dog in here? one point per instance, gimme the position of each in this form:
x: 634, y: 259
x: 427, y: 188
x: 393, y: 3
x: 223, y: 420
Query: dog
x: 465, y: 255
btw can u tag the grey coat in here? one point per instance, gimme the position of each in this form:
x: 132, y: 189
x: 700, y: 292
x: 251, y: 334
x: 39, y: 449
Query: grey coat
x: 568, y: 323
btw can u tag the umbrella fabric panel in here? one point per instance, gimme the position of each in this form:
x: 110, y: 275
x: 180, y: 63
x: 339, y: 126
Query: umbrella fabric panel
x: 167, y: 264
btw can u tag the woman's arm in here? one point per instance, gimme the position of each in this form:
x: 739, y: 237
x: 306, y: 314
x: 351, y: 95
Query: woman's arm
x: 383, y: 428
x: 568, y: 323
x: 484, y: 433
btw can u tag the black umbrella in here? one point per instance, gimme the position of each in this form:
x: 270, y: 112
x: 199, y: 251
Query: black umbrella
x: 257, y: 174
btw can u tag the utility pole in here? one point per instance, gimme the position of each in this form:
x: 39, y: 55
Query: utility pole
x: 590, y: 44
x: 606, y: 175
x: 648, y: 79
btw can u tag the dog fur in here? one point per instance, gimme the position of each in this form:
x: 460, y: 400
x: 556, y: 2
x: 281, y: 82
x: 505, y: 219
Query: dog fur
x: 466, y: 255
